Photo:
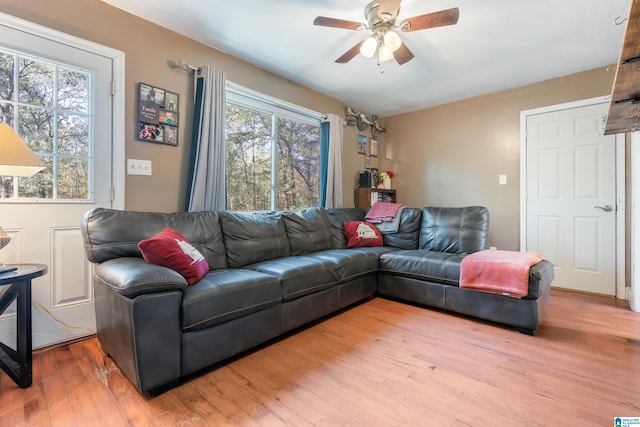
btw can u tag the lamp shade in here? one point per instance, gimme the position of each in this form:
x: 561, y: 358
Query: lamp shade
x: 16, y: 158
x: 4, y: 239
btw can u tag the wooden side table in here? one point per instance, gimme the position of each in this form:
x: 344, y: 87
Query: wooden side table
x: 18, y: 363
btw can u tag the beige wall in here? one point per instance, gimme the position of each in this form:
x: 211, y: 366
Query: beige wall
x: 147, y: 49
x: 451, y: 155
x: 448, y: 155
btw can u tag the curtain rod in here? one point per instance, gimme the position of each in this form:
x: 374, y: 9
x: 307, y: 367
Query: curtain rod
x: 182, y: 65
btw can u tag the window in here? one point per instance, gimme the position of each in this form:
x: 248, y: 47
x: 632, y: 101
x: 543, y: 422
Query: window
x: 48, y: 105
x: 272, y: 153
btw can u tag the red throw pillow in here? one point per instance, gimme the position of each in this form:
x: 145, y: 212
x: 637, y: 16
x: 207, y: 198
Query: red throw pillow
x: 360, y: 234
x: 171, y: 249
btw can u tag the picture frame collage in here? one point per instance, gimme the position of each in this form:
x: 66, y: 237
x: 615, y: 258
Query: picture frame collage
x: 158, y: 115
x: 369, y: 148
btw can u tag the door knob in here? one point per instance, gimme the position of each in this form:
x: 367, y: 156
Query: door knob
x: 606, y: 208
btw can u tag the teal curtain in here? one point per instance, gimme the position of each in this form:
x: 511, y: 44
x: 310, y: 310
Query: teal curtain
x: 324, y: 161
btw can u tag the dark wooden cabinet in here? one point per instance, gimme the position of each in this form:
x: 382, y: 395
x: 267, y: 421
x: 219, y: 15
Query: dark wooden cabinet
x: 365, y: 197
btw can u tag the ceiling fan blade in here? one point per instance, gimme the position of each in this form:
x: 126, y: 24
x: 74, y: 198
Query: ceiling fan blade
x: 338, y: 23
x: 350, y: 54
x: 431, y: 20
x: 403, y: 55
x: 388, y: 10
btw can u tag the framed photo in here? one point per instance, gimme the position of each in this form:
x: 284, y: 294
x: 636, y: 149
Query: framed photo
x: 170, y: 135
x: 157, y: 115
x: 150, y: 93
x: 367, y: 162
x: 362, y: 144
x: 375, y: 175
x: 171, y: 101
x: 150, y: 132
x: 373, y: 143
x: 168, y: 117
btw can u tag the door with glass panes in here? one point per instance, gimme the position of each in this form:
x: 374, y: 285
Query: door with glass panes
x: 58, y: 99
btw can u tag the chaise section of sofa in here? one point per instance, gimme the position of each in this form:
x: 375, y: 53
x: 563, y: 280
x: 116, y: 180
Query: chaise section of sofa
x: 430, y: 274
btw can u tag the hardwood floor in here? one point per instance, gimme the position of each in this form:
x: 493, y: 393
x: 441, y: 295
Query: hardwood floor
x: 382, y: 363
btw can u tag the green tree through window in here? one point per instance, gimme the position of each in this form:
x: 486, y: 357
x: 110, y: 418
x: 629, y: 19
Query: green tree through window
x: 48, y: 105
x: 272, y: 160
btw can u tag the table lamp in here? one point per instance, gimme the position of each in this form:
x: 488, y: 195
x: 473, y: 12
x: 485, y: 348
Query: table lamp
x: 16, y: 159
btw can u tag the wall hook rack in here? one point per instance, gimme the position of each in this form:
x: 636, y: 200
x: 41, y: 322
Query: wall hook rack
x: 620, y: 20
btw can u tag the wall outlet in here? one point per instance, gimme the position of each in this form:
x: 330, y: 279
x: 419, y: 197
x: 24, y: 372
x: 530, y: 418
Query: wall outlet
x: 493, y: 248
x: 138, y: 167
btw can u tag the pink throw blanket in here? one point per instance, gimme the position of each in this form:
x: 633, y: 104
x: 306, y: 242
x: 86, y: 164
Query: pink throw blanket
x: 382, y: 212
x: 498, y: 272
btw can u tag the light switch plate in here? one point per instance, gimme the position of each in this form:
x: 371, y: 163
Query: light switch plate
x: 138, y: 167
x: 502, y: 179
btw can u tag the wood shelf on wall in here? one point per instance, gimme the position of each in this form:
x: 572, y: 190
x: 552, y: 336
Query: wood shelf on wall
x: 364, y: 196
x: 624, y: 110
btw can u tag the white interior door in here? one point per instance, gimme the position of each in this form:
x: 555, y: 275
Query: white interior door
x: 571, y: 199
x: 59, y: 99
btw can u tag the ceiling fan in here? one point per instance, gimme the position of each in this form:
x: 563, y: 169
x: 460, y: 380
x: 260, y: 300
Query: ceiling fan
x: 381, y: 21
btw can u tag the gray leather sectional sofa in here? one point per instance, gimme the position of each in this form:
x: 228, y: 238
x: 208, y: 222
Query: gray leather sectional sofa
x: 272, y: 272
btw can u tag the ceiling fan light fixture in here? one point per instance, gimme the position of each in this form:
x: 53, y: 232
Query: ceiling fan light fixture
x: 385, y: 42
x: 392, y: 41
x: 385, y: 54
x: 368, y: 48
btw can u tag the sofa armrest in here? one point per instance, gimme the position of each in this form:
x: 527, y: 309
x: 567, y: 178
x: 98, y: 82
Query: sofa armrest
x: 540, y: 275
x: 132, y: 276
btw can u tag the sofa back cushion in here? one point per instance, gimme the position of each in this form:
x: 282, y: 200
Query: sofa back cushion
x: 455, y: 230
x: 252, y: 237
x: 112, y: 233
x: 408, y: 235
x: 337, y: 218
x: 308, y: 230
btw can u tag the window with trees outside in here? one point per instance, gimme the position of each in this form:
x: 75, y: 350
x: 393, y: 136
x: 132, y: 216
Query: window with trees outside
x: 48, y: 105
x: 272, y: 154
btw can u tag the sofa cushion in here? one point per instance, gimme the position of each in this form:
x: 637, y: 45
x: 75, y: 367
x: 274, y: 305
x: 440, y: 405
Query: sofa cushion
x: 438, y: 267
x: 350, y: 263
x: 455, y: 230
x: 223, y: 295
x: 252, y: 237
x: 308, y: 230
x: 408, y: 234
x: 337, y: 218
x: 171, y: 249
x: 112, y: 233
x: 362, y: 234
x: 300, y: 275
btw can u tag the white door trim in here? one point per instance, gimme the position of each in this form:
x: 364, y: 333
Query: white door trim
x: 118, y: 102
x: 620, y: 184
x: 633, y: 292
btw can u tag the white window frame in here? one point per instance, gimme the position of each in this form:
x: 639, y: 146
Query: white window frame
x: 248, y: 98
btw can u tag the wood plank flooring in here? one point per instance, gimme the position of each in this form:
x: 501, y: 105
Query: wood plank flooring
x: 382, y: 363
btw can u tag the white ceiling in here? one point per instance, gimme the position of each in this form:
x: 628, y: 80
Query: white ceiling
x: 497, y: 44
